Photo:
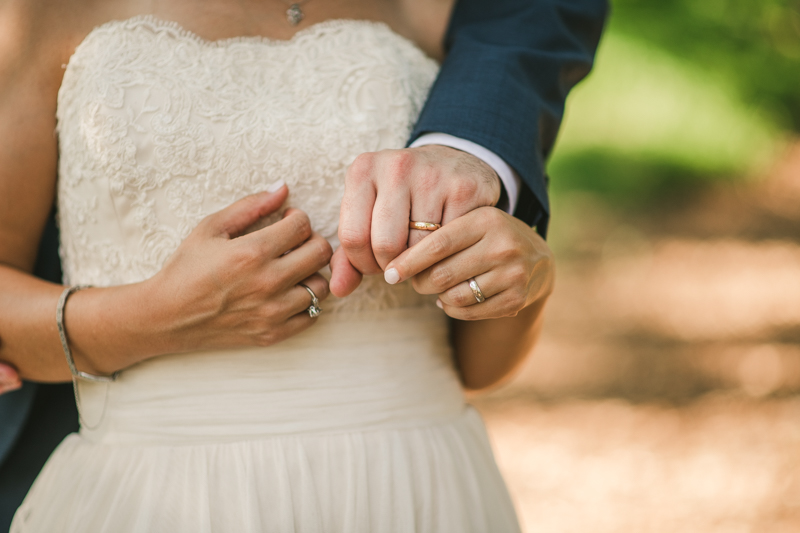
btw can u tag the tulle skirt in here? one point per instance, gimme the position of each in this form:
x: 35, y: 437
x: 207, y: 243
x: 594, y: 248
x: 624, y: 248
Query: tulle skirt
x: 357, y: 425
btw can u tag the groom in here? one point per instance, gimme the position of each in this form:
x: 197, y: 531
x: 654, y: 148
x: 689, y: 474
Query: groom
x: 490, y: 120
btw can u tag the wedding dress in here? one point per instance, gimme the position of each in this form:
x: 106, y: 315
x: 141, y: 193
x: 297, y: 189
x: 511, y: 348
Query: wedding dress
x: 357, y: 424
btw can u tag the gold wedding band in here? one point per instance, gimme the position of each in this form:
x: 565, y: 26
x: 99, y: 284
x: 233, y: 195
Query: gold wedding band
x: 424, y: 226
x: 476, y: 291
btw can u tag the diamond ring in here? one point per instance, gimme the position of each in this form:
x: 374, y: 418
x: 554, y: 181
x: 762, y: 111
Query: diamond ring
x: 313, y: 309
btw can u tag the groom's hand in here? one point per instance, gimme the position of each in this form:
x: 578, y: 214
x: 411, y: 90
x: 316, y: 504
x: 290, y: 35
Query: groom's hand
x: 385, y: 190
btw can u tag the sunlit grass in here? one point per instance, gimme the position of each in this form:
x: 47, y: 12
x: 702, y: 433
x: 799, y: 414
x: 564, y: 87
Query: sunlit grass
x: 645, y: 123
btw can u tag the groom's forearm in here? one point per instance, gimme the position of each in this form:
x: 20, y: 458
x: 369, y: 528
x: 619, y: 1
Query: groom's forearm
x: 509, y: 67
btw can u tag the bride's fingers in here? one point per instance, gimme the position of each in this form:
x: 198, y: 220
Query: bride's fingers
x: 297, y: 316
x: 299, y: 299
x: 442, y: 243
x: 498, y: 306
x: 461, y: 295
x: 452, y: 270
x: 303, y: 261
x: 237, y: 217
x: 318, y: 284
x: 294, y: 325
x: 282, y: 236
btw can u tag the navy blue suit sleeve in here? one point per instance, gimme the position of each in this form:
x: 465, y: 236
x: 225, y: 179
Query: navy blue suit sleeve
x: 508, y: 69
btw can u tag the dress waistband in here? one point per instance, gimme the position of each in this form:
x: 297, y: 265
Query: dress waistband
x: 348, y: 372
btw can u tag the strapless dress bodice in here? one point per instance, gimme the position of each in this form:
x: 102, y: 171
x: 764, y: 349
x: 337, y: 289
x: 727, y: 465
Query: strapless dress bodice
x: 159, y: 128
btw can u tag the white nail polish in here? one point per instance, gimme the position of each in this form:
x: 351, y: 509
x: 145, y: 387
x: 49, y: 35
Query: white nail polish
x: 439, y: 304
x: 276, y: 186
x: 391, y: 276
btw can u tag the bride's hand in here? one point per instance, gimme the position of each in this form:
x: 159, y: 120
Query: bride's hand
x: 226, y: 288
x: 511, y: 263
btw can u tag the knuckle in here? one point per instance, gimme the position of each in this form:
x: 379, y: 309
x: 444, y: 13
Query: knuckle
x: 464, y: 192
x: 205, y: 224
x: 440, y: 244
x: 271, y: 311
x: 323, y: 249
x: 266, y: 338
x: 418, y: 284
x: 354, y: 239
x: 505, y: 252
x: 459, y: 297
x: 494, y: 217
x: 301, y: 225
x: 322, y: 290
x: 518, y: 274
x: 441, y: 278
x: 387, y: 247
x: 245, y: 258
x: 400, y: 165
x: 362, y: 166
x: 402, y: 161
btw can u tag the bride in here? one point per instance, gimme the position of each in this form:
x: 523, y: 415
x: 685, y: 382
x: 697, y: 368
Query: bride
x: 201, y: 154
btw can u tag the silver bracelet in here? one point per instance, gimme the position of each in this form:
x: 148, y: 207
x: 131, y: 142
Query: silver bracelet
x: 62, y: 332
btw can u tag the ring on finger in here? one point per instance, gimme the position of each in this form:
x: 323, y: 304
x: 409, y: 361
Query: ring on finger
x: 423, y: 226
x: 476, y: 290
x: 313, y: 310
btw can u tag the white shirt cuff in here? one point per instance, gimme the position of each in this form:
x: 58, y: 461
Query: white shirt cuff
x: 508, y: 176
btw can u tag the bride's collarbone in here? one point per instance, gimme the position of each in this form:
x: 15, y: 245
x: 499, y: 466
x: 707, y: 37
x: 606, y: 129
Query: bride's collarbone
x: 216, y: 20
x: 421, y: 21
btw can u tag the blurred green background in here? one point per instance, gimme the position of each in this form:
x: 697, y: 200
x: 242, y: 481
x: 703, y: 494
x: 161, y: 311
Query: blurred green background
x: 684, y: 92
x: 664, y: 394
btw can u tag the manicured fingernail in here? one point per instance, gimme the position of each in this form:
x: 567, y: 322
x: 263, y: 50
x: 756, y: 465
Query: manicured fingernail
x: 439, y: 304
x: 391, y: 276
x: 276, y: 186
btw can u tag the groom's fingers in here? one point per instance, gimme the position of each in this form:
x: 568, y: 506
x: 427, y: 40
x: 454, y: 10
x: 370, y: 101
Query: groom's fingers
x: 355, y: 217
x: 390, y: 220
x: 344, y: 277
x: 426, y: 206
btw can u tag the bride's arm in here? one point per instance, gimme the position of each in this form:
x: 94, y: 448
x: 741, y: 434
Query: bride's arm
x: 514, y: 270
x: 219, y: 289
x: 28, y: 154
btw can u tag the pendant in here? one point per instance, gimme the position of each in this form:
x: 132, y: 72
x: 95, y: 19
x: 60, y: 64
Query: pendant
x: 294, y: 14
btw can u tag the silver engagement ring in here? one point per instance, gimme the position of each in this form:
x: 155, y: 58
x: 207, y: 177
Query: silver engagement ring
x: 476, y: 291
x: 313, y: 309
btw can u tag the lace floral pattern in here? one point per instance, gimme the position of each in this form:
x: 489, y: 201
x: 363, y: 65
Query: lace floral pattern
x: 159, y: 128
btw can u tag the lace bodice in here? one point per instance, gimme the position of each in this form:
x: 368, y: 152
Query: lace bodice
x: 159, y: 128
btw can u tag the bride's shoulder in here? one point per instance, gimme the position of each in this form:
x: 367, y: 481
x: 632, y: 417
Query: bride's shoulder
x: 425, y: 23
x: 33, y: 44
x: 37, y: 37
